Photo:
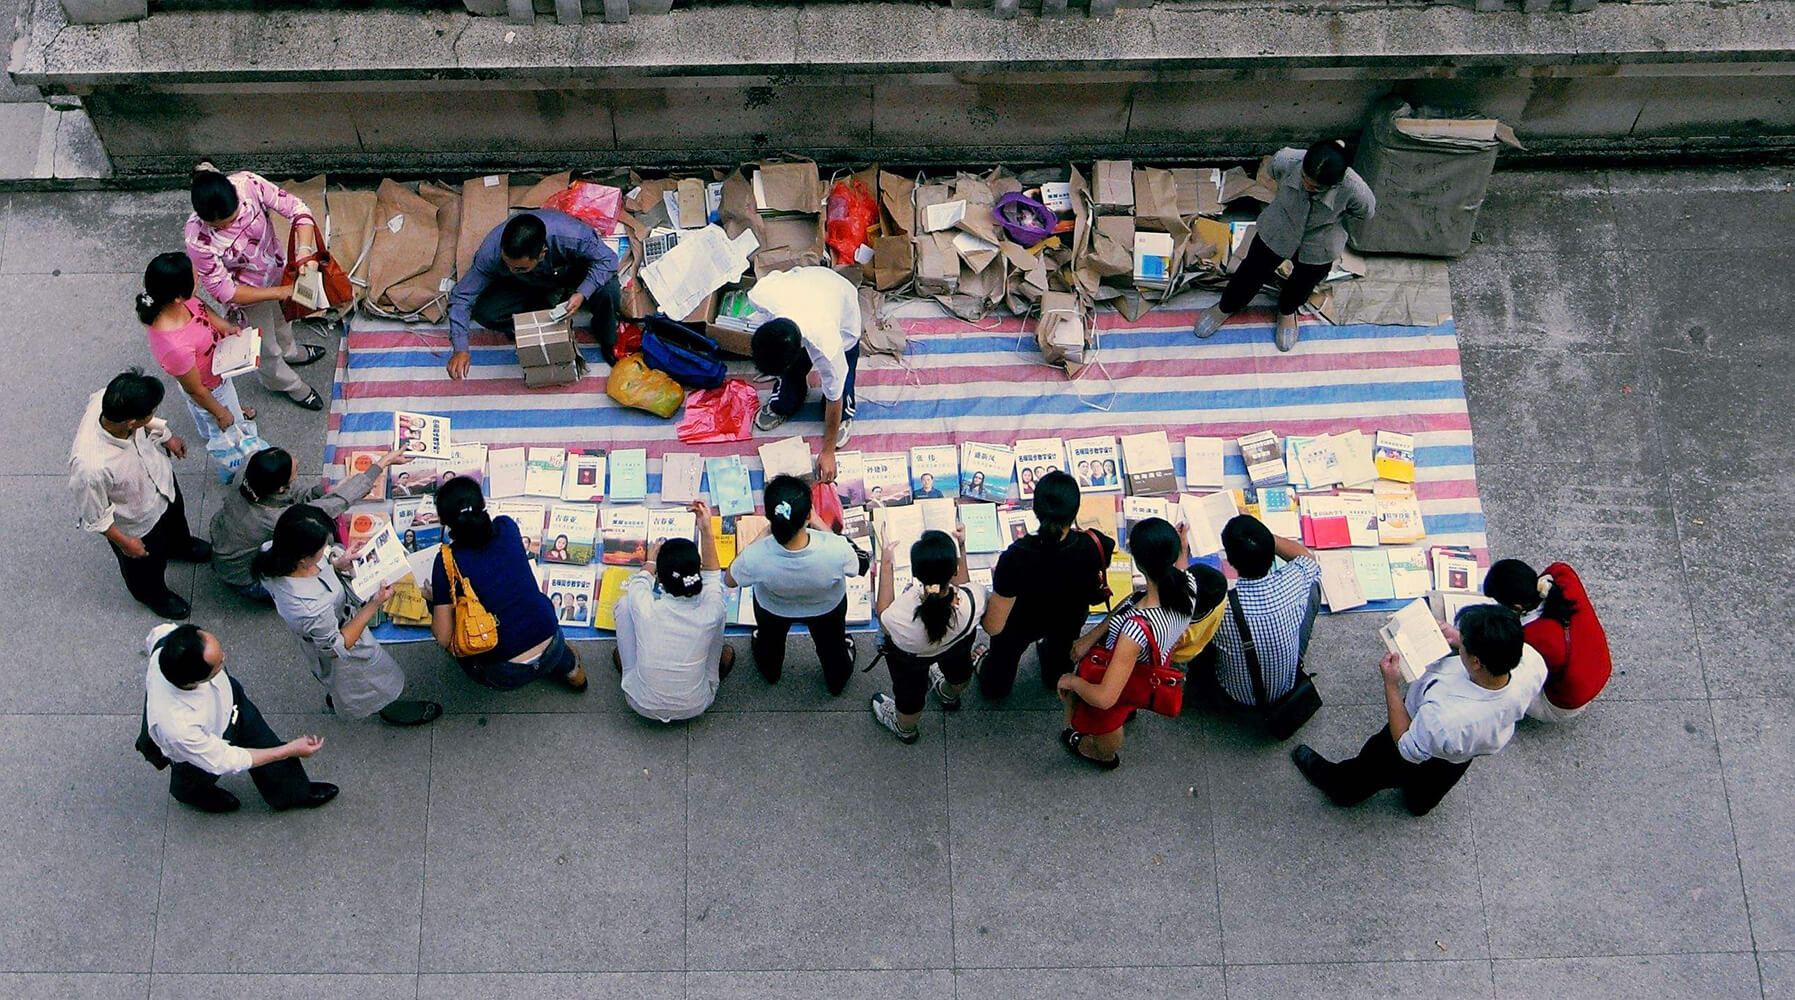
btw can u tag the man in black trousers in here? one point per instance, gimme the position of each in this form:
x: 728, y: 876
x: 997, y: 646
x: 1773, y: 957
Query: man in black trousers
x: 197, y: 719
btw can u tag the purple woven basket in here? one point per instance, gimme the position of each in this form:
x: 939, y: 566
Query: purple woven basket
x: 1026, y: 220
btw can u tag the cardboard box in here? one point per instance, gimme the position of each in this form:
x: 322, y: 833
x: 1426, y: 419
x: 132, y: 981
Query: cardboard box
x: 538, y: 376
x: 637, y: 302
x: 1112, y: 187
x: 544, y: 338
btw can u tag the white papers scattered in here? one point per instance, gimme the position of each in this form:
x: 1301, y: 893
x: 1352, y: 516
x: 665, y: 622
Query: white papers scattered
x: 704, y: 261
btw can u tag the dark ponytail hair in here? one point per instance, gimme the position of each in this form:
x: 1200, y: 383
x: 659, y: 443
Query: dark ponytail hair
x: 214, y: 197
x: 266, y: 473
x: 1056, y: 504
x: 1155, y: 546
x: 462, y: 509
x: 934, y: 559
x: 677, y: 568
x: 1212, y: 588
x: 788, y: 507
x: 301, y: 531
x: 169, y: 278
x: 1513, y: 584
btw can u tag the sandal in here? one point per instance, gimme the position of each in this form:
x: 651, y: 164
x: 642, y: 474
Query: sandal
x: 978, y: 657
x: 313, y: 354
x: 249, y: 413
x: 1071, y: 738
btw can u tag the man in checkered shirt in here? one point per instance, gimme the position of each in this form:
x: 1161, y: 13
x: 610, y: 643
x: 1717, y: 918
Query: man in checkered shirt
x: 1280, y: 609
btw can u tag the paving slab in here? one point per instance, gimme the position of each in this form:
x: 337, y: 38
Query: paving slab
x: 1757, y: 752
x: 1192, y: 983
x: 1529, y: 299
x: 24, y: 124
x: 82, y: 816
x: 332, y: 890
x: 1056, y: 863
x: 284, y: 986
x: 896, y: 984
x: 1650, y: 977
x: 1720, y: 210
x: 551, y: 986
x: 1633, y: 797
x: 782, y: 877
x: 800, y: 687
x: 1360, y: 980
x: 75, y: 985
x: 1548, y: 211
x: 1300, y: 876
x: 557, y: 844
x: 89, y: 232
x: 1557, y: 405
x: 1776, y: 969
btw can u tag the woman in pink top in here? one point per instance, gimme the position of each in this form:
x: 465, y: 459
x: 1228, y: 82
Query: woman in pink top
x: 183, y: 334
x: 238, y: 260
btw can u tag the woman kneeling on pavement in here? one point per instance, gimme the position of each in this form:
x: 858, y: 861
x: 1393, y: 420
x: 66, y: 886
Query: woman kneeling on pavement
x: 928, y: 629
x: 1141, y: 631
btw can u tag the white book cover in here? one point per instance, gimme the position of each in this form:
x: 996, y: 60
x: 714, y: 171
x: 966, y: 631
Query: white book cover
x: 380, y: 560
x: 850, y: 478
x: 583, y: 478
x: 1138, y: 509
x: 629, y: 474
x: 1293, y: 470
x: 1361, y: 517
x: 543, y: 472
x: 1203, y: 463
x: 1096, y: 462
x: 744, y: 607
x: 422, y: 435
x: 1409, y: 577
x: 938, y: 514
x: 1356, y: 465
x: 1452, y: 572
x: 1340, y: 588
x: 238, y: 354
x: 672, y: 522
x: 1279, y: 511
x: 528, y: 515
x: 682, y: 476
x: 1415, y: 637
x: 1205, y: 517
x: 571, y: 535
x: 787, y: 457
x: 1019, y: 524
x: 860, y: 599
x: 985, y: 471
x: 1036, y: 457
x: 888, y: 479
x: 1264, y: 459
x: 1319, y: 462
x: 934, y: 471
x: 1447, y: 604
x: 573, y: 592
x: 1147, y: 464
x: 505, y: 472
x: 903, y: 525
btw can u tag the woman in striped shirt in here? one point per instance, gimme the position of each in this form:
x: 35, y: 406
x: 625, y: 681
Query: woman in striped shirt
x: 1140, y: 630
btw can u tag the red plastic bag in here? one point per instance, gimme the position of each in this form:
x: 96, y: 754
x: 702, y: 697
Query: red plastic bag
x: 825, y: 503
x: 852, y: 211
x: 629, y: 337
x: 596, y: 205
x: 725, y: 413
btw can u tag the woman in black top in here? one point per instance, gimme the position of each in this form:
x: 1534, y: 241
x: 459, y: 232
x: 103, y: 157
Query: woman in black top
x: 1042, y: 590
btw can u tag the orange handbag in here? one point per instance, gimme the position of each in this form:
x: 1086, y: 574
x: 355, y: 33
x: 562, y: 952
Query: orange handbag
x: 337, y: 289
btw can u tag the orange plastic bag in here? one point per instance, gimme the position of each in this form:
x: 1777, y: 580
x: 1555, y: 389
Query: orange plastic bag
x: 725, y: 413
x: 632, y: 383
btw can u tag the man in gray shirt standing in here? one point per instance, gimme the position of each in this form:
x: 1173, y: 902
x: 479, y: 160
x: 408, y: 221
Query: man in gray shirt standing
x: 1304, y: 224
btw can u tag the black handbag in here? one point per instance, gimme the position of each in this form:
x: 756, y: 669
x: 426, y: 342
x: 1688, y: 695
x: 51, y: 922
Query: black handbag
x: 1281, y: 718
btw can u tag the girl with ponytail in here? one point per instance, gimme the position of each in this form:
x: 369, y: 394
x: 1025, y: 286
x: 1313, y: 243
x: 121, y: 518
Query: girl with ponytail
x: 183, y: 332
x: 929, y: 629
x: 670, y: 650
x: 1559, y: 623
x: 490, y: 561
x: 1148, y: 624
x: 799, y: 572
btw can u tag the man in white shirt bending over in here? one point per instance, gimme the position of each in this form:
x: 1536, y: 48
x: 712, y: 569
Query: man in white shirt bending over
x: 197, y: 718
x: 1463, y: 707
x: 816, y: 324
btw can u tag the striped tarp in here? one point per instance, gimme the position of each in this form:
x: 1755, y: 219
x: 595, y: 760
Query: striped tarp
x: 985, y: 382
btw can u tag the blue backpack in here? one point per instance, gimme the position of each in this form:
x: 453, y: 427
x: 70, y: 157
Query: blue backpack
x: 685, y: 354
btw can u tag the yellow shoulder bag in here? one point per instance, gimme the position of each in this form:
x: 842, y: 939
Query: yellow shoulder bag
x: 475, y: 630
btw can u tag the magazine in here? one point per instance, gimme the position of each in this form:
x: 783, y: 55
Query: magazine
x: 422, y: 435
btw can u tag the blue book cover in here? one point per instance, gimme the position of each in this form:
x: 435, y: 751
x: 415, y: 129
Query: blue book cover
x: 728, y: 485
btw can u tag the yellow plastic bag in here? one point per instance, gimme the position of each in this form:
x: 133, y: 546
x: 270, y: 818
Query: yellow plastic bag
x: 634, y: 384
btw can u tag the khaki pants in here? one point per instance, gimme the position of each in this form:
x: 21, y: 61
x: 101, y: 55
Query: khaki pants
x: 278, y: 348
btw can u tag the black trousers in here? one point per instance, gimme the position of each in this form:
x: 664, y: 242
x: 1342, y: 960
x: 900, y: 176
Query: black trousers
x: 169, y: 539
x: 506, y: 297
x: 1051, y: 635
x: 1261, y: 263
x: 282, y: 783
x: 1379, y: 766
x: 829, y: 630
x: 910, y: 673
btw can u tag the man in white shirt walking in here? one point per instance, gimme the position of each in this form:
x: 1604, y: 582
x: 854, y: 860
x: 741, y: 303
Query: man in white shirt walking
x: 125, y: 488
x: 1463, y: 707
x: 816, y: 325
x: 197, y: 718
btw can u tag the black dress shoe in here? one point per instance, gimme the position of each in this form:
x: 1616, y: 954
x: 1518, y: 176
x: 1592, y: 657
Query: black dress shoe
x: 313, y: 402
x: 198, y: 551
x: 213, y: 800
x: 410, y: 713
x: 321, y: 792
x: 313, y: 353
x: 173, y: 607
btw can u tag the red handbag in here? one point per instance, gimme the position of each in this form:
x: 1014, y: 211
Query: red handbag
x: 1158, y: 687
x: 337, y: 289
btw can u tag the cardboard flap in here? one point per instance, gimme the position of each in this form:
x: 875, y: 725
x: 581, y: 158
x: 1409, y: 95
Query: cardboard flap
x: 790, y: 187
x: 541, y: 191
x: 897, y: 209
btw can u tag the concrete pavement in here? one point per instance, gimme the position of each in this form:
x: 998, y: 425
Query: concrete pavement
x: 1628, y: 367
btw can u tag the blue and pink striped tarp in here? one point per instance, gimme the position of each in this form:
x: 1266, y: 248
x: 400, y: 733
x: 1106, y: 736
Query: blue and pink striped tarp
x: 961, y: 381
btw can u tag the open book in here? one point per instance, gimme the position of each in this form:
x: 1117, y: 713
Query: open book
x: 1413, y: 635
x: 381, y: 560
x: 238, y: 354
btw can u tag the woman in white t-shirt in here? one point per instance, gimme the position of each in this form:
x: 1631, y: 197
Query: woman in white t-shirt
x: 929, y: 629
x: 670, y: 628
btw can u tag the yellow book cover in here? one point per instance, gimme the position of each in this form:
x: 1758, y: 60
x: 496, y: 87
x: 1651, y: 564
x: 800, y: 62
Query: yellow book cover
x: 1121, y: 583
x: 610, y: 591
x: 724, y: 541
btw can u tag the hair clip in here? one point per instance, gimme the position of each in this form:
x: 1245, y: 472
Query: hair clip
x: 784, y: 510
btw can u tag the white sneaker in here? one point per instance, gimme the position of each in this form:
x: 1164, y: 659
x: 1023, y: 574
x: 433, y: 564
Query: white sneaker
x: 885, y: 714
x: 766, y: 420
x: 844, y: 432
x: 938, y: 684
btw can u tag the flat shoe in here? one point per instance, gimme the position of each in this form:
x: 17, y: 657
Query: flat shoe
x: 411, y: 713
x: 1070, y: 738
x: 1208, y: 323
x: 313, y: 354
x: 1286, y: 333
x: 320, y: 793
x: 313, y: 402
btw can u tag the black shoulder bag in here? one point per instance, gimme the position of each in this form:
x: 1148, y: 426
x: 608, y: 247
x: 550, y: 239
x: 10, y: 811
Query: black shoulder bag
x: 1283, y: 717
